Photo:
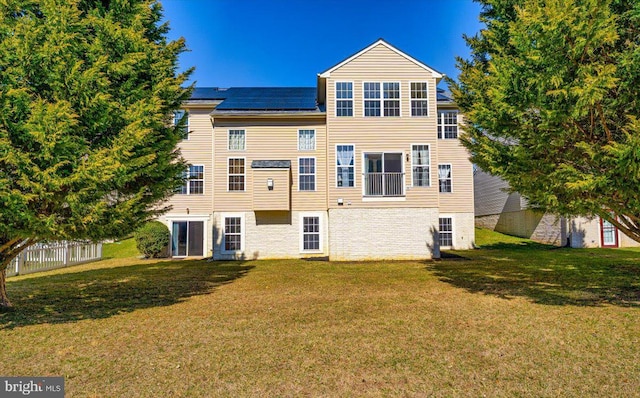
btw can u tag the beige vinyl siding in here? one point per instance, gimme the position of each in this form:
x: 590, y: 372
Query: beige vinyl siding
x: 268, y: 139
x: 452, y: 152
x: 197, y: 150
x: 382, y: 134
x: 278, y: 198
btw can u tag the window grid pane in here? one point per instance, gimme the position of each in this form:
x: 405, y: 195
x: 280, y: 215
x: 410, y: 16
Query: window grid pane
x: 307, y: 174
x: 311, y: 233
x: 445, y: 232
x: 236, y: 140
x: 306, y: 140
x: 194, y: 181
x: 344, y: 96
x: 444, y: 177
x: 420, y: 165
x: 448, y: 122
x: 419, y: 99
x: 178, y: 116
x: 232, y: 233
x: 236, y: 174
x: 345, y: 162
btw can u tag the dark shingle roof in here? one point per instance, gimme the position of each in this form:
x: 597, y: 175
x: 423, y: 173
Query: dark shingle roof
x: 269, y: 99
x: 271, y: 164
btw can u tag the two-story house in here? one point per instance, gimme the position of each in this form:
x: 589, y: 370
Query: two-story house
x: 366, y: 165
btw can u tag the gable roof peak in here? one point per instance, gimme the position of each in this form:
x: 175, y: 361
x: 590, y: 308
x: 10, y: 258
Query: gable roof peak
x: 383, y: 42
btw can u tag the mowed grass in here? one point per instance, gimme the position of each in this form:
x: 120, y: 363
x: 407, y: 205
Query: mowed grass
x: 512, y: 318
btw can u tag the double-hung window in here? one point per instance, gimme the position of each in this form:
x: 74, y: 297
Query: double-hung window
x: 371, y: 99
x: 181, y: 121
x: 345, y: 165
x: 419, y: 99
x: 420, y: 165
x: 447, y: 124
x: 237, y: 140
x: 344, y: 99
x: 391, y: 99
x: 445, y: 232
x: 444, y: 177
x: 310, y: 230
x: 233, y: 230
x: 194, y: 181
x: 306, y: 140
x: 307, y: 174
x: 236, y: 171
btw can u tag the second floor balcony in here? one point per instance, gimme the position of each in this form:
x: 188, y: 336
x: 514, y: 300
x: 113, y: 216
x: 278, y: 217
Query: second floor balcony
x: 384, y: 184
x: 384, y: 176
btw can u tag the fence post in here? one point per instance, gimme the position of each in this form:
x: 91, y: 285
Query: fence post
x: 65, y: 252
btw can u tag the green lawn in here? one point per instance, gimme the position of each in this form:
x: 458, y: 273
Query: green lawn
x: 513, y: 318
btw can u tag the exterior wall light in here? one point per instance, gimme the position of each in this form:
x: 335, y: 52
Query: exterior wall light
x: 270, y: 184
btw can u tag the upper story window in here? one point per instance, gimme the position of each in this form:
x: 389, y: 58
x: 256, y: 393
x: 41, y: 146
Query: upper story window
x: 391, y: 99
x: 236, y: 171
x: 307, y: 174
x: 236, y: 140
x: 371, y: 99
x: 447, y: 124
x: 379, y: 102
x: 181, y: 120
x: 419, y: 99
x: 420, y: 165
x: 444, y: 178
x: 345, y: 166
x: 194, y: 181
x: 344, y: 99
x: 306, y: 140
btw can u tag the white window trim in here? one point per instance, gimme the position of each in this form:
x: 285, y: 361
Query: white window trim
x: 315, y: 174
x: 440, y: 123
x: 355, y: 180
x: 320, y: 216
x: 189, y: 217
x: 243, y: 233
x: 189, y: 179
x: 245, y: 172
x: 411, y: 99
x: 315, y: 141
x: 229, y: 141
x: 430, y: 168
x: 453, y: 230
x: 382, y: 99
x: 451, y: 178
x: 336, y: 99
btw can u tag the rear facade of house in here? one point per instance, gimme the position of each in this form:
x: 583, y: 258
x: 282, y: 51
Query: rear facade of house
x: 366, y: 165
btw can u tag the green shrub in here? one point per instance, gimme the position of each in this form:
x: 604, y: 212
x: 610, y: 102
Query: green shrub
x: 152, y: 239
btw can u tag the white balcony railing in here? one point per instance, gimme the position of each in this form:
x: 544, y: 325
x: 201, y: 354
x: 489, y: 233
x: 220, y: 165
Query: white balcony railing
x: 384, y: 184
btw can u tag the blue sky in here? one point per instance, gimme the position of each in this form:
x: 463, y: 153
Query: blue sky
x: 271, y: 43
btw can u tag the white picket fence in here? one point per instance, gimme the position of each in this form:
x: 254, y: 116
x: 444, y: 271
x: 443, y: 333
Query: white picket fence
x: 51, y: 255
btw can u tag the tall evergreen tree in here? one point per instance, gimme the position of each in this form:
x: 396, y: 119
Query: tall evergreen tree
x: 551, y: 95
x: 87, y: 147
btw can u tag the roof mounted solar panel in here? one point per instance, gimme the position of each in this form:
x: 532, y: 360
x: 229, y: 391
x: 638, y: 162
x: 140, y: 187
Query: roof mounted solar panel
x: 269, y: 99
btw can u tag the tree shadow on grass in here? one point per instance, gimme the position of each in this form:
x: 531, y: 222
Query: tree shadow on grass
x: 105, y: 292
x: 546, y: 274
